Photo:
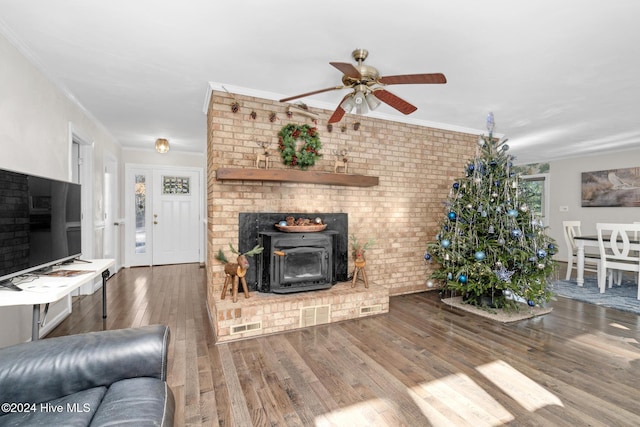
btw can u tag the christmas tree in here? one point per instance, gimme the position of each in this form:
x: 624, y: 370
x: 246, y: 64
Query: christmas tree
x: 490, y: 247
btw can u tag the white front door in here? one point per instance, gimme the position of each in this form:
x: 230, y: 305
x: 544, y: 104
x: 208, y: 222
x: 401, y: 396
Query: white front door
x: 176, y: 217
x: 164, y: 215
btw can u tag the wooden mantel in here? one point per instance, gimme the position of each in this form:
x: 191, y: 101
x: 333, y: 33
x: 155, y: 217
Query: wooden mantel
x: 286, y: 175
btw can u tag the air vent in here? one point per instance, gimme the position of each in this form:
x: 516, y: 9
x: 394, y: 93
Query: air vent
x: 316, y: 315
x: 246, y: 327
x: 368, y: 309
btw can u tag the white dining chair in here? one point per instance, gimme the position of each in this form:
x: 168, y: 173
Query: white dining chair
x: 616, y: 253
x: 571, y: 229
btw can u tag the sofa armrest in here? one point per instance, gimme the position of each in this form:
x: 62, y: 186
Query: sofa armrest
x: 47, y: 369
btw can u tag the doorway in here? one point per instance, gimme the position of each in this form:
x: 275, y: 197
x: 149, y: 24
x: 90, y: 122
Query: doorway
x: 163, y: 215
x: 111, y: 241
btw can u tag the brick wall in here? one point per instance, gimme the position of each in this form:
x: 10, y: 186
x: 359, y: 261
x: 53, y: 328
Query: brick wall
x: 416, y: 166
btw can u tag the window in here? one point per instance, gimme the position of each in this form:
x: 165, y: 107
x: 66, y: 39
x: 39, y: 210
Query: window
x: 141, y: 212
x: 536, y: 189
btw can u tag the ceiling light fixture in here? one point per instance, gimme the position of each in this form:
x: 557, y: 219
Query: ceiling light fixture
x: 348, y: 104
x: 162, y: 145
x: 361, y: 103
x: 362, y: 99
x: 372, y: 101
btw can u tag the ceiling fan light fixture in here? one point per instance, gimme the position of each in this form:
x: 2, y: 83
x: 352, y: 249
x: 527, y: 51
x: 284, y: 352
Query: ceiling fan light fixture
x: 372, y: 101
x: 361, y: 103
x: 367, y: 83
x: 362, y: 108
x: 348, y: 104
x: 162, y: 145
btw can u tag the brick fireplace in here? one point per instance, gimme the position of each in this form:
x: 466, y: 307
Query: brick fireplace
x: 414, y: 167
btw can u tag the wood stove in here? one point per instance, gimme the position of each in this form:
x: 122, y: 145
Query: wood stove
x: 259, y: 228
x: 295, y: 262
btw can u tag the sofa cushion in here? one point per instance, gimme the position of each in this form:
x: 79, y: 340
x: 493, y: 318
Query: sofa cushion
x: 54, y: 367
x: 73, y: 410
x: 136, y: 402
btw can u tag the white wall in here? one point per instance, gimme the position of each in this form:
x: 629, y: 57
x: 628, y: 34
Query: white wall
x: 565, y: 177
x: 35, y: 117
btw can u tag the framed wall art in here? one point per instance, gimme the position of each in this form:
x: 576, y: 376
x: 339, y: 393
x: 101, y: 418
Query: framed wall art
x: 611, y: 188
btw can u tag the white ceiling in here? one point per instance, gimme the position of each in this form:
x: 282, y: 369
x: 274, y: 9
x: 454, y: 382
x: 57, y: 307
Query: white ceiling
x: 561, y: 77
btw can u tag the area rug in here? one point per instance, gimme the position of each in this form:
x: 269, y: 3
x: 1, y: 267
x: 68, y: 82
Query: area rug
x: 623, y: 297
x: 524, y: 311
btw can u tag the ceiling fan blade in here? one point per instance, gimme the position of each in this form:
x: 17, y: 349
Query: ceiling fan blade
x: 339, y: 113
x: 311, y: 93
x: 392, y: 100
x: 347, y: 69
x: 413, y: 79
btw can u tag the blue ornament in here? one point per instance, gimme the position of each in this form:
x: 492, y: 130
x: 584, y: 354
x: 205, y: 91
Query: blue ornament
x: 427, y: 256
x: 462, y: 278
x: 551, y: 246
x: 471, y: 168
x: 449, y: 276
x: 531, y: 303
x: 516, y: 233
x: 479, y: 255
x: 445, y: 243
x: 456, y: 185
x: 541, y: 253
x: 452, y: 215
x: 512, y: 213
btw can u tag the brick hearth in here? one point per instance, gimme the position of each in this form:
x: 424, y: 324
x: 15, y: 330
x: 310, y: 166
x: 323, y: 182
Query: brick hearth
x: 267, y: 313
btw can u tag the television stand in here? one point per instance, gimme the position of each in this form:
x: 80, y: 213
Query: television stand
x: 71, y: 261
x: 48, y: 289
x: 8, y: 284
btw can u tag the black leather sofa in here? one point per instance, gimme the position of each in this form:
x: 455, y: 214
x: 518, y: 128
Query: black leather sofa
x: 95, y: 379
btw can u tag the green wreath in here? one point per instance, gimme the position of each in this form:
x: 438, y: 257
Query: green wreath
x: 309, y: 151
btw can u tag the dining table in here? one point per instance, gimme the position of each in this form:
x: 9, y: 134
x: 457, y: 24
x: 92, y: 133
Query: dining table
x: 592, y: 241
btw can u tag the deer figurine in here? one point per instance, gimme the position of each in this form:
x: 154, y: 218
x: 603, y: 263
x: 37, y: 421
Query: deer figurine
x: 236, y: 271
x: 341, y: 161
x: 264, y: 157
x: 359, y: 261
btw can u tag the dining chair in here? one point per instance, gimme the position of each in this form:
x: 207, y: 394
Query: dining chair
x: 571, y: 229
x: 616, y: 253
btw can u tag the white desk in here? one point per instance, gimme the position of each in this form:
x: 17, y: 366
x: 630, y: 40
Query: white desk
x: 591, y: 241
x: 48, y: 289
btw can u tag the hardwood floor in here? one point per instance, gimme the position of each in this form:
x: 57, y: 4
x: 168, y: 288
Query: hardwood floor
x: 421, y: 364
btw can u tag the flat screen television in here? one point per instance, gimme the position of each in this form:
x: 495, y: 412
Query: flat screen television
x: 39, y: 223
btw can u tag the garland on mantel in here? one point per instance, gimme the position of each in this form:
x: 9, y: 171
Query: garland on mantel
x: 309, y: 151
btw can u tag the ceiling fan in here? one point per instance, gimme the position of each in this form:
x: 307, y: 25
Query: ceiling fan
x: 368, y: 87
